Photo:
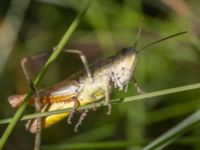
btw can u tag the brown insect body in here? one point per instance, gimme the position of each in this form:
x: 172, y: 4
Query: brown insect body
x: 88, y: 87
x: 114, y: 71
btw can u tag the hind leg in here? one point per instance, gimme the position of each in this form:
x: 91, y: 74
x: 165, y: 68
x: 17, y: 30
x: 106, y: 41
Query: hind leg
x: 24, y: 64
x: 82, y: 117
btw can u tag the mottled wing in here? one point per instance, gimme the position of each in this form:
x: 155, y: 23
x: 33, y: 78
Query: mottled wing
x: 60, y: 96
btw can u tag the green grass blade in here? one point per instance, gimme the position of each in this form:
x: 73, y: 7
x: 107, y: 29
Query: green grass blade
x: 114, y: 101
x: 171, y: 135
x: 93, y: 145
x: 52, y: 58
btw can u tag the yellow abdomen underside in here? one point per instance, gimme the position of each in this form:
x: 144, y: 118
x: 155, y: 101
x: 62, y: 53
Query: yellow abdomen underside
x: 52, y: 119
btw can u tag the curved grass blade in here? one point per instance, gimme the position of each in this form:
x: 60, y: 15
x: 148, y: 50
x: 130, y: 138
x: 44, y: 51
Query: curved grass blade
x: 51, y: 59
x: 174, y: 133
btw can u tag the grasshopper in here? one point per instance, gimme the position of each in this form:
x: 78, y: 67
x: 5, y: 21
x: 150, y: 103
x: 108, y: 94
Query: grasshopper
x: 92, y: 85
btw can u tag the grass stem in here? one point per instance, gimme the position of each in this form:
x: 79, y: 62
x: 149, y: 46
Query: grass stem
x: 51, y: 59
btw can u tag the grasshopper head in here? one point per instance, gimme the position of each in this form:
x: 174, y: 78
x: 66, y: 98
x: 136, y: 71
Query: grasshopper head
x: 128, y: 51
x: 123, y: 66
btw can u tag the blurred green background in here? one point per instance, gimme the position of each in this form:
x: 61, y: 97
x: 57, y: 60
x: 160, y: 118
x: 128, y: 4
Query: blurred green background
x: 33, y: 27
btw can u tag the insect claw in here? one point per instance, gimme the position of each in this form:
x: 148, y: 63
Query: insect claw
x: 139, y: 90
x: 69, y: 120
x: 75, y: 130
x: 126, y: 88
x: 82, y: 117
x: 33, y: 126
x: 109, y: 109
x: 94, y: 108
x: 70, y: 116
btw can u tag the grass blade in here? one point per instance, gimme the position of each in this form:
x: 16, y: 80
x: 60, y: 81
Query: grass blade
x: 51, y: 59
x: 171, y: 135
x: 114, y: 101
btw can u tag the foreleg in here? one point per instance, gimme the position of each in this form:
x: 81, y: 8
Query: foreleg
x: 139, y: 90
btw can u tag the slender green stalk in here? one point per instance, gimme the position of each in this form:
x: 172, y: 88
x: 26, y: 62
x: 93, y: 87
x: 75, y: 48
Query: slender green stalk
x: 51, y: 59
x: 94, y: 145
x: 174, y: 133
x: 114, y: 101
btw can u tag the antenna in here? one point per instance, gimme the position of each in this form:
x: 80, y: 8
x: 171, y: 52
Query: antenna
x: 138, y: 34
x: 160, y: 40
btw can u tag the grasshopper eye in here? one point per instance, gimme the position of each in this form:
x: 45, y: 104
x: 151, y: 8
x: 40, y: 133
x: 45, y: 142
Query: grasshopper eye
x: 125, y: 51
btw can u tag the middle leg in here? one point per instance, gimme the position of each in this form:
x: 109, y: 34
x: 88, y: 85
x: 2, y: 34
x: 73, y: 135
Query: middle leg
x: 82, y: 117
x: 83, y: 59
x: 76, y: 105
x: 107, y: 99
